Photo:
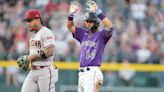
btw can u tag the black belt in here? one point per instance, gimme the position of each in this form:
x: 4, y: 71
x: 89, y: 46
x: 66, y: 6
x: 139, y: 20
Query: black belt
x: 84, y: 69
x: 40, y: 67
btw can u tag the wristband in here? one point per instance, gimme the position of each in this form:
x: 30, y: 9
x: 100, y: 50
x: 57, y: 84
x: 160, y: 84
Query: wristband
x: 70, y: 17
x: 101, y: 16
x: 42, y: 54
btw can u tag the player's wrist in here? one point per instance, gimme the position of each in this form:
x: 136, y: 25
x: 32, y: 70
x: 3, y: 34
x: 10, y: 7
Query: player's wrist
x: 43, y: 55
x: 100, y: 14
x: 29, y: 59
x: 98, y: 11
x: 70, y: 17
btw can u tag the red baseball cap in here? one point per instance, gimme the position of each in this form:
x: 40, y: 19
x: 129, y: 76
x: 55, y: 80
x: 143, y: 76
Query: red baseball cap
x: 32, y: 14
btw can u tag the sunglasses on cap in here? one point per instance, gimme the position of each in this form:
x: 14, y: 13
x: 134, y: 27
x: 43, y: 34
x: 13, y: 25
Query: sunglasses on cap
x: 90, y: 21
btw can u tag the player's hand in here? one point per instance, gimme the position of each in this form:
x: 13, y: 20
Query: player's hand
x: 74, y: 7
x: 92, y: 7
x: 23, y: 62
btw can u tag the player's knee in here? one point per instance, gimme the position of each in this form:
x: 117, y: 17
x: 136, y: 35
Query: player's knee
x: 98, y: 84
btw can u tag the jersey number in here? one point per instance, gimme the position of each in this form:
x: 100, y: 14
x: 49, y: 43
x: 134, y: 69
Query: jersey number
x: 90, y: 54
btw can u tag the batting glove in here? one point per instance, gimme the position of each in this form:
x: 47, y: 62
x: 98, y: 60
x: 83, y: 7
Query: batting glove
x: 92, y: 7
x: 74, y: 7
x: 23, y: 62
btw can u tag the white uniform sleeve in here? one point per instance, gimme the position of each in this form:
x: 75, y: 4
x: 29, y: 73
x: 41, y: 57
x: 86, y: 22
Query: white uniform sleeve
x: 47, y: 38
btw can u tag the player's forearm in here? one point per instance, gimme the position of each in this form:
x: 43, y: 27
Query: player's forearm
x: 70, y: 24
x: 48, y: 52
x: 34, y: 57
x: 107, y: 22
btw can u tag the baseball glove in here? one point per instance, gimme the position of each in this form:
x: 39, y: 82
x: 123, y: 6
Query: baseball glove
x: 23, y: 62
x: 93, y: 7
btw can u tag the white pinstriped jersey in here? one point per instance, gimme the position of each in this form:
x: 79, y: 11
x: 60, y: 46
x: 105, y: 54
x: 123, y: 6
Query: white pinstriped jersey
x: 40, y: 40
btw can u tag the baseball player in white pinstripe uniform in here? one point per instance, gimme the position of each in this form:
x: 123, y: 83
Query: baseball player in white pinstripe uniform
x: 43, y: 75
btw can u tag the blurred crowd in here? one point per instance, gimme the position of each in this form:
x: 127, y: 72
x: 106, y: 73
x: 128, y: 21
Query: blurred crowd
x: 138, y: 36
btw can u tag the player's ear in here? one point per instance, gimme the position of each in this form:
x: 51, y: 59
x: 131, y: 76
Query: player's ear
x: 41, y: 21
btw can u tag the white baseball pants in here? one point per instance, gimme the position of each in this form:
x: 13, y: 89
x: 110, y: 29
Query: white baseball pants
x: 88, y: 79
x: 42, y: 80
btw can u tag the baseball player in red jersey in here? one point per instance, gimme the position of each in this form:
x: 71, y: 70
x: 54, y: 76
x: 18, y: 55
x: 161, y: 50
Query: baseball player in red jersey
x: 43, y: 75
x: 92, y: 43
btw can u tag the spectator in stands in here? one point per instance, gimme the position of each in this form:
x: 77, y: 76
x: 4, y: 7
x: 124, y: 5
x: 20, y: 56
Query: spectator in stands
x: 126, y: 73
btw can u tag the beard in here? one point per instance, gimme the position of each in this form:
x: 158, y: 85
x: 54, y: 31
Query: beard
x: 90, y: 28
x: 93, y: 28
x: 33, y: 27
